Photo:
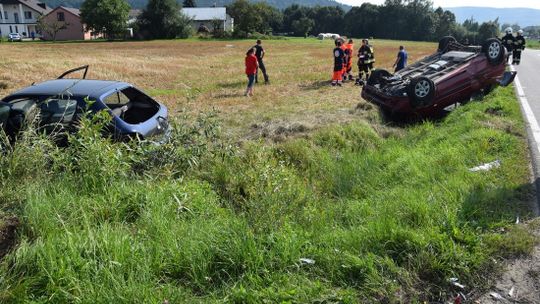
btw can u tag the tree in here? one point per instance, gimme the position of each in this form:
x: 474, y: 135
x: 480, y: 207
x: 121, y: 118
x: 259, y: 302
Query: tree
x: 362, y: 21
x: 108, y: 17
x: 162, y: 19
x: 51, y: 26
x: 292, y: 13
x: 258, y: 17
x: 328, y: 19
x: 302, y: 26
x: 488, y: 30
x: 189, y: 3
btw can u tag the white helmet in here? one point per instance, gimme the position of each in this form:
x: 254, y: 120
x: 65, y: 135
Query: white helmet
x: 509, y: 30
x: 520, y: 32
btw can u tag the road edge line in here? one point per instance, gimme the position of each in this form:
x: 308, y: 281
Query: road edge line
x: 533, y: 137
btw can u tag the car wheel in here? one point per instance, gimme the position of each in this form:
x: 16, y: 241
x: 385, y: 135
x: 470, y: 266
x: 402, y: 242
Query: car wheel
x: 444, y: 43
x: 494, y: 51
x: 376, y: 76
x: 421, y: 91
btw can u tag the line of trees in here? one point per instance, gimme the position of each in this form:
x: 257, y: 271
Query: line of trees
x: 395, y: 19
x: 161, y: 19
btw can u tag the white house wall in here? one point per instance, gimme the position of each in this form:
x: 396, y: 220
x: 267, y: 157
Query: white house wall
x: 24, y: 25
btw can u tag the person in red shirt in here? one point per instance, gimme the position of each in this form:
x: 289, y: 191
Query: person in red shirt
x: 251, y: 70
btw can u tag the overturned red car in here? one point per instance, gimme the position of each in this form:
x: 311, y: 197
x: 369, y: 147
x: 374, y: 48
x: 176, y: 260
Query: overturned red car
x: 452, y: 75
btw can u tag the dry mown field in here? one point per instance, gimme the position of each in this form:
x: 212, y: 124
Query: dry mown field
x: 195, y: 76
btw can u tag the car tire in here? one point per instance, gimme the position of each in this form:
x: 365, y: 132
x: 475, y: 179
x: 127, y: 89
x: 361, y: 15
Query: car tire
x: 494, y: 51
x: 421, y: 91
x: 376, y: 76
x: 444, y: 42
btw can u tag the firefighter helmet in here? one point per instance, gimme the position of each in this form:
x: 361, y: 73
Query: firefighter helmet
x: 509, y: 30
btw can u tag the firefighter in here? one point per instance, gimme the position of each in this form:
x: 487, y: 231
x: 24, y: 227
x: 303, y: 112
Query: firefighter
x: 509, y: 40
x: 345, y: 59
x: 519, y: 46
x: 364, y: 62
x: 371, y: 60
x: 339, y: 59
x: 349, y: 51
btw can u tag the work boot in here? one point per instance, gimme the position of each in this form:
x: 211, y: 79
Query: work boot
x: 334, y: 83
x: 351, y: 77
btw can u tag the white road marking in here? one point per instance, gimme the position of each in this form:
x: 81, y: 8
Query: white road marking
x: 529, y: 115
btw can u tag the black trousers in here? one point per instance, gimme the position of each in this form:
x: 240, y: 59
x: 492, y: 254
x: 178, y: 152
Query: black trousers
x: 516, y: 56
x: 263, y: 70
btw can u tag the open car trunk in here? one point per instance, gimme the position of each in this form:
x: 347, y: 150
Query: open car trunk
x: 131, y: 105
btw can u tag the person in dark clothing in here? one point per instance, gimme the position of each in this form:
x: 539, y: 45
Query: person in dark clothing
x: 259, y: 53
x: 365, y: 63
x: 508, y: 40
x: 339, y: 60
x: 519, y: 46
x: 401, y: 60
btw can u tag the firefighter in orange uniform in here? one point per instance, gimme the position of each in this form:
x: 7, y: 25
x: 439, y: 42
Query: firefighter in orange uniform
x: 349, y: 51
x: 339, y: 59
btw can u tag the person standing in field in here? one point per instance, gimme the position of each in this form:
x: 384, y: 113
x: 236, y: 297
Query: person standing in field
x: 349, y: 50
x: 401, y: 60
x: 339, y: 59
x: 259, y: 53
x: 345, y: 58
x: 364, y: 61
x: 251, y: 70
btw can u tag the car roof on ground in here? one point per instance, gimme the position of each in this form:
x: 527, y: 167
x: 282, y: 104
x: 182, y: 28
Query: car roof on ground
x: 74, y: 87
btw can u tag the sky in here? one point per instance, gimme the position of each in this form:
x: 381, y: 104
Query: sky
x: 454, y: 3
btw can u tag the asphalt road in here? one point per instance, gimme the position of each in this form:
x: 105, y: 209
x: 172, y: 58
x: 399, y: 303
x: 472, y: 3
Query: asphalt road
x: 529, y: 76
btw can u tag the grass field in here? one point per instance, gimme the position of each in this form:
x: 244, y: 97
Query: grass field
x: 338, y: 207
x: 533, y: 44
x: 196, y: 76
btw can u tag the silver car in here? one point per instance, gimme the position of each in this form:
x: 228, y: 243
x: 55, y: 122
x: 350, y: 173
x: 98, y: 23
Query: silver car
x: 14, y: 37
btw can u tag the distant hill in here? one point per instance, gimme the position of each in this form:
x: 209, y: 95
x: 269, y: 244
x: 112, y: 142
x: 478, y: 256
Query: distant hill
x: 281, y: 4
x: 522, y: 16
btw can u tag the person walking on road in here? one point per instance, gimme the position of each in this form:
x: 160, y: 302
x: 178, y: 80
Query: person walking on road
x: 251, y: 70
x: 401, y: 60
x: 509, y: 40
x: 519, y: 46
x: 259, y: 53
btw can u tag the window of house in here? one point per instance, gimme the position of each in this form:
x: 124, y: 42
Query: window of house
x: 16, y: 29
x: 6, y: 15
x: 60, y: 16
x: 27, y: 15
x: 10, y: 29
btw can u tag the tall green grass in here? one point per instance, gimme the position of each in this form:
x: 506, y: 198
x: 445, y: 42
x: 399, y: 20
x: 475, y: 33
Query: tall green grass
x: 533, y: 44
x: 383, y: 218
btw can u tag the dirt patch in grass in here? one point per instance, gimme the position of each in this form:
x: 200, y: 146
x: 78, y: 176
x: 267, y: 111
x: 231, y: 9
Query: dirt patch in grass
x: 8, y: 229
x: 3, y: 85
x: 520, y: 281
x: 279, y: 131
